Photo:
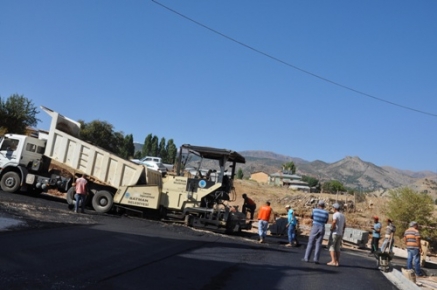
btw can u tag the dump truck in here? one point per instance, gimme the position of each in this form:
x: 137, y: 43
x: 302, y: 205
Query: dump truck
x: 52, y: 160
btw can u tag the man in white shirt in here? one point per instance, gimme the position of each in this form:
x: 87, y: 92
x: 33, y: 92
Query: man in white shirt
x: 337, y: 230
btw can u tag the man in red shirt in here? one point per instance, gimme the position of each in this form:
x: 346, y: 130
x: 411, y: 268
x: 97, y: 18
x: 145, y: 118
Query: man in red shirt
x: 81, y: 193
x: 263, y: 221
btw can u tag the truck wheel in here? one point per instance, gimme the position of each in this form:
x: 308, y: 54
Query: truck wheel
x: 102, y: 201
x: 10, y: 182
x: 70, y: 196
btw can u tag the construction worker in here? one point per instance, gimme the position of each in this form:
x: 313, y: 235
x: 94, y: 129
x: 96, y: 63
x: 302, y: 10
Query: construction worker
x: 376, y: 235
x: 320, y: 217
x: 389, y: 236
x: 263, y: 221
x: 248, y: 206
x: 414, y: 248
x: 291, y: 226
x: 81, y: 193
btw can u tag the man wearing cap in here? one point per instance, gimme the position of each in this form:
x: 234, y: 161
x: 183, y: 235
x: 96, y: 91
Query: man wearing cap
x: 320, y: 217
x: 337, y: 231
x: 412, y: 241
x: 376, y: 230
x: 291, y: 226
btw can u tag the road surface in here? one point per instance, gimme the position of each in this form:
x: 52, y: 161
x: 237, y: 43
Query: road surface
x: 91, y: 251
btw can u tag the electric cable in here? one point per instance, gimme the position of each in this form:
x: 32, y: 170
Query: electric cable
x: 291, y: 65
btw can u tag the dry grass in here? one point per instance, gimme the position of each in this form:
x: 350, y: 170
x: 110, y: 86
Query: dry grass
x: 302, y: 202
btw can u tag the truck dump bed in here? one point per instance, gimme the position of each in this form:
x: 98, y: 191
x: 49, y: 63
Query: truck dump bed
x: 67, y: 151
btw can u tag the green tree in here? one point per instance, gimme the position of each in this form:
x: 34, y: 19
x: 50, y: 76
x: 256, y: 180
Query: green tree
x: 162, y: 149
x: 155, y: 146
x: 333, y: 186
x: 147, y: 147
x: 289, y: 166
x: 16, y: 114
x: 171, y: 152
x: 240, y: 173
x: 101, y: 133
x: 312, y: 182
x: 118, y: 139
x: 127, y: 151
x: 406, y: 205
x: 138, y: 155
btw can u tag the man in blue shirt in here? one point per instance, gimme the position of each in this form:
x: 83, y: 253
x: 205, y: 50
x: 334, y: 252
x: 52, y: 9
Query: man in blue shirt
x: 376, y: 230
x: 291, y: 226
x: 320, y: 217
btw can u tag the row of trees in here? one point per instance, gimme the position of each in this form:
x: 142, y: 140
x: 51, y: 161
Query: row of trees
x: 166, y: 150
x: 18, y: 114
x: 102, y: 134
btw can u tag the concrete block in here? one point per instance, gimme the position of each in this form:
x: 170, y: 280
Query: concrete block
x: 351, y: 235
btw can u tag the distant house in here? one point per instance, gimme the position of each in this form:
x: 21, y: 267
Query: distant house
x: 260, y: 177
x: 289, y: 180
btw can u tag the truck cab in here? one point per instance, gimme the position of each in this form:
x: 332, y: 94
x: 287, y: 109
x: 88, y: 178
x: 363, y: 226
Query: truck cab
x: 20, y: 149
x: 19, y: 155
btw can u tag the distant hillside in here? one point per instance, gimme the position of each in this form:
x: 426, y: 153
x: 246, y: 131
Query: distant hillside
x: 271, y: 155
x: 351, y: 171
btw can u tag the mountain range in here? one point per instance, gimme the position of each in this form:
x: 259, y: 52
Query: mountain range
x: 351, y: 171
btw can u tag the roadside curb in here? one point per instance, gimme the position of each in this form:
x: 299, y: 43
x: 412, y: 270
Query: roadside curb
x: 400, y: 281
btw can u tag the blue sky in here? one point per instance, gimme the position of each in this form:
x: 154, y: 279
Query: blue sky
x: 259, y: 85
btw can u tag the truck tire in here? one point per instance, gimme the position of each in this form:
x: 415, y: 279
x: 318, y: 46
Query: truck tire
x: 189, y: 220
x: 71, y: 200
x: 102, y: 201
x: 10, y: 182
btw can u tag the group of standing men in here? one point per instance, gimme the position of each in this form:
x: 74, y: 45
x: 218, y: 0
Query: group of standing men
x: 320, y: 217
x: 388, y: 241
x: 411, y: 238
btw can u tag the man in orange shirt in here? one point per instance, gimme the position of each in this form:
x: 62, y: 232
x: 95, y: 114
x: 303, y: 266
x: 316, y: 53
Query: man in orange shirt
x: 263, y: 221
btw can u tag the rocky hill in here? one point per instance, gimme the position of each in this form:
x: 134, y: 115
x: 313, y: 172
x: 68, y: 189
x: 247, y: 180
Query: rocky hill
x: 351, y: 171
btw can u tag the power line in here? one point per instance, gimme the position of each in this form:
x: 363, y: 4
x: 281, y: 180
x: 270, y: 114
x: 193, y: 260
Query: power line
x: 291, y: 65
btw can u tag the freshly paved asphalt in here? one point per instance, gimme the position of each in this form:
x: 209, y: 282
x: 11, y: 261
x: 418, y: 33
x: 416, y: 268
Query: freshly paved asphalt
x: 133, y: 253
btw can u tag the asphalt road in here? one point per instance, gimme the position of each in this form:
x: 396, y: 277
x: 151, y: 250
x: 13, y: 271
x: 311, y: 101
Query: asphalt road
x: 62, y: 250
